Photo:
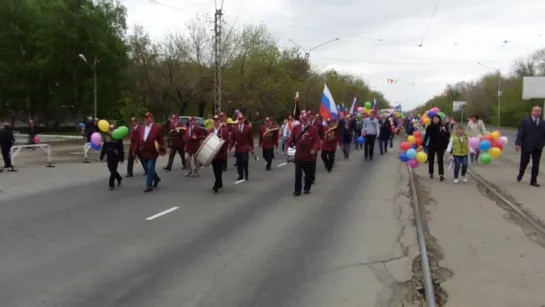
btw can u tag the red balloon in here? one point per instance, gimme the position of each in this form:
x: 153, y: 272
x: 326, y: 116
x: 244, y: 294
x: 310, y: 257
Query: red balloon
x: 497, y: 144
x: 487, y: 137
x: 406, y: 146
x: 417, y: 134
x: 419, y: 141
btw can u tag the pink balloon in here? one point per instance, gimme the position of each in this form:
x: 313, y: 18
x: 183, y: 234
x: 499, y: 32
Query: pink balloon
x: 474, y: 142
x: 361, y: 110
x: 37, y: 139
x: 96, y: 138
x: 413, y: 163
x: 436, y: 110
x: 502, y: 140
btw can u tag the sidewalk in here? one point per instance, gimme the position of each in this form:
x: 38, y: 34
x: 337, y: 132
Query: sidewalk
x: 502, y: 173
x: 493, y: 262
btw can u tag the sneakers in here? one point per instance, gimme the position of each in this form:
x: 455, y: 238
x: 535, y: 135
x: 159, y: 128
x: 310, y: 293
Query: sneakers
x: 456, y: 181
x: 464, y: 179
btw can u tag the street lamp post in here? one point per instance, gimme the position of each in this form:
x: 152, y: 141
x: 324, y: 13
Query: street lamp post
x: 94, y: 68
x: 499, y: 89
x: 307, y: 57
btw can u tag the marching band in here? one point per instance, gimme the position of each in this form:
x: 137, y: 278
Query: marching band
x: 198, y: 146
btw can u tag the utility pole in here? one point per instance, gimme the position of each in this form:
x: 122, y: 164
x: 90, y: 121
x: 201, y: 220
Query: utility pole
x: 218, y: 56
x: 500, y: 92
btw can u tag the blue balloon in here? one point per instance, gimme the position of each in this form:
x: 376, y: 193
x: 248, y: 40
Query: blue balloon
x: 431, y: 114
x: 403, y: 157
x: 95, y: 146
x: 411, y: 154
x: 415, y: 146
x: 81, y: 125
x: 361, y: 140
x: 485, y: 146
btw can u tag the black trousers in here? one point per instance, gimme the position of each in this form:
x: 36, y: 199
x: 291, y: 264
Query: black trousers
x: 242, y: 164
x: 217, y: 168
x: 329, y: 159
x: 6, y: 156
x: 268, y: 156
x: 308, y: 168
x: 114, y: 174
x: 172, y: 154
x: 432, y: 153
x: 525, y: 156
x: 370, y: 145
x: 130, y: 164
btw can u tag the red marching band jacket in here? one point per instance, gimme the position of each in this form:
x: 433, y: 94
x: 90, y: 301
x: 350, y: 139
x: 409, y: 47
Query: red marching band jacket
x: 242, y: 140
x: 147, y: 147
x: 270, y: 142
x: 330, y: 143
x: 133, y: 136
x: 176, y: 135
x: 318, y: 124
x: 223, y: 133
x: 193, y: 137
x: 306, y: 143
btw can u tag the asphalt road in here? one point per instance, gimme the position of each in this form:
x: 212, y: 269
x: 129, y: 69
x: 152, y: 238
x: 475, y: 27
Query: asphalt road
x: 253, y: 244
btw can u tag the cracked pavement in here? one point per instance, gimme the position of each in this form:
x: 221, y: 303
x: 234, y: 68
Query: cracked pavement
x: 70, y: 242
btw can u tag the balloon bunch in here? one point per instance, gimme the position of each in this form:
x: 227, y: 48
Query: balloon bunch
x: 490, y: 145
x: 366, y: 109
x: 412, y: 150
x: 117, y: 134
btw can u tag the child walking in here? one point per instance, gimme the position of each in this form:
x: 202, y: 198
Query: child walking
x: 114, y: 152
x: 458, y: 148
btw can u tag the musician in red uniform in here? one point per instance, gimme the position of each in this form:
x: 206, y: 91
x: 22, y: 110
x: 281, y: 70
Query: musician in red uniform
x: 176, y: 133
x: 194, y: 134
x: 318, y: 124
x: 243, y: 140
x: 306, y: 139
x: 218, y: 163
x: 148, y: 135
x: 268, y: 140
x: 329, y: 144
x: 133, y: 137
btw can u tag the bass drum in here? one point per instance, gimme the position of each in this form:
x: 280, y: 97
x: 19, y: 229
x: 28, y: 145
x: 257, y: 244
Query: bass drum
x: 209, y: 148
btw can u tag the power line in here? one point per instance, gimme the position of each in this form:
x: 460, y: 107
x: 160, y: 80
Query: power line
x: 429, y: 23
x: 409, y: 63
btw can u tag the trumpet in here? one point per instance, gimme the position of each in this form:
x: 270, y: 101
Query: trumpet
x: 267, y: 135
x: 329, y: 135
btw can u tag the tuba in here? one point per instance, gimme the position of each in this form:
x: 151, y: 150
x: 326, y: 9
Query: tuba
x: 267, y: 135
x: 329, y: 135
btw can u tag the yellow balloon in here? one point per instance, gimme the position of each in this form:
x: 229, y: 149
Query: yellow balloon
x: 411, y: 139
x: 494, y: 152
x: 427, y: 121
x: 422, y: 157
x: 496, y: 135
x: 103, y: 125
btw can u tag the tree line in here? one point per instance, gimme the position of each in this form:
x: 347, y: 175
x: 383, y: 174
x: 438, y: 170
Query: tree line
x: 43, y: 76
x: 481, y: 95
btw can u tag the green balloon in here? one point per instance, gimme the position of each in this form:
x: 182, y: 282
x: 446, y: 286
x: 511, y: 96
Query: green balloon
x: 360, y: 116
x: 368, y: 105
x: 442, y: 115
x: 120, y: 133
x: 485, y: 158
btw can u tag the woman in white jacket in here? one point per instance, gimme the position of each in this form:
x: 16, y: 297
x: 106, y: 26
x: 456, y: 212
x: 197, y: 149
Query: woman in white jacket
x: 475, y: 128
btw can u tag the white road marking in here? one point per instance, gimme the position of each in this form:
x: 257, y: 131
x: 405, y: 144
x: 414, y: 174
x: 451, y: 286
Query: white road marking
x: 161, y: 213
x: 239, y: 181
x: 280, y: 165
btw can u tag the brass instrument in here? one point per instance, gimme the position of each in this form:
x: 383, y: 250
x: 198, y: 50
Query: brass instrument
x: 329, y: 135
x: 269, y: 133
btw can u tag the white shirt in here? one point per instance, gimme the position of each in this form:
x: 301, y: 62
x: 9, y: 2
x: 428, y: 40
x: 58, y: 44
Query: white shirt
x: 216, y: 130
x: 536, y: 120
x: 147, y: 130
x: 241, y: 127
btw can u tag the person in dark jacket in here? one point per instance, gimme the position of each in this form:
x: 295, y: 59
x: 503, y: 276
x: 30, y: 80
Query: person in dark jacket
x: 530, y: 142
x: 436, y: 141
x: 6, y: 142
x: 114, y: 152
x: 346, y: 138
x: 385, y: 134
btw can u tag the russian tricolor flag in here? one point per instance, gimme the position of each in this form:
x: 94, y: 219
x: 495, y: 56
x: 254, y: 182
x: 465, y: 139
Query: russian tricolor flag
x: 354, y: 107
x: 328, y: 108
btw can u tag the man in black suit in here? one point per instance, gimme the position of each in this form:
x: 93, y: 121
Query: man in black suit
x: 530, y: 140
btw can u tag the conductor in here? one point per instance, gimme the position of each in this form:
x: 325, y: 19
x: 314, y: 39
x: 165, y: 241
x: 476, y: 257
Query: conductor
x: 530, y: 141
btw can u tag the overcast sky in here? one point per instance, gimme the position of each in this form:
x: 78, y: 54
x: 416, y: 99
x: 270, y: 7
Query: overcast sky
x: 378, y: 40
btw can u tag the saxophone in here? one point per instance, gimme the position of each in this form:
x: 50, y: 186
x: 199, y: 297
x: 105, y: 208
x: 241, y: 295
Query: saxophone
x: 329, y: 135
x: 267, y: 135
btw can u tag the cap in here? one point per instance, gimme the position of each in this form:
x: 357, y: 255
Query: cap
x: 267, y: 119
x: 216, y: 117
x: 133, y: 119
x: 222, y: 114
x: 148, y: 114
x: 310, y: 113
x: 240, y: 116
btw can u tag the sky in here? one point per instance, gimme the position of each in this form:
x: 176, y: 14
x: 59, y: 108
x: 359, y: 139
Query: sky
x: 379, y: 40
